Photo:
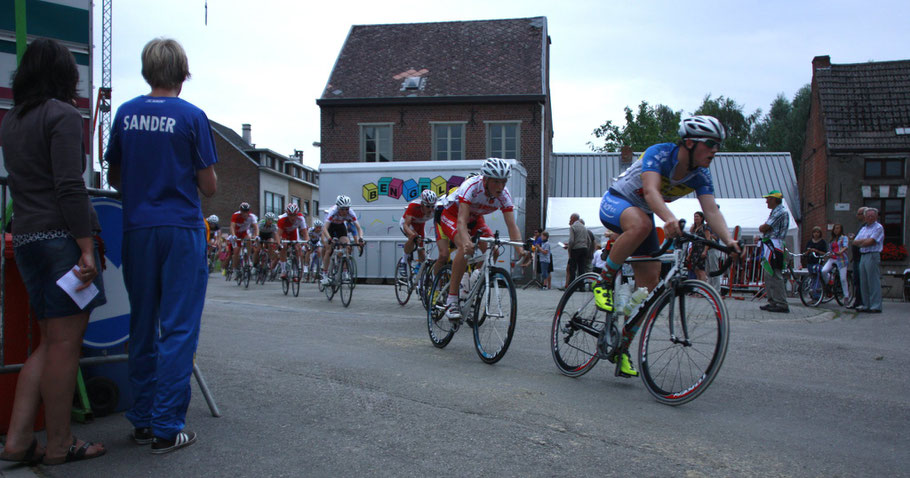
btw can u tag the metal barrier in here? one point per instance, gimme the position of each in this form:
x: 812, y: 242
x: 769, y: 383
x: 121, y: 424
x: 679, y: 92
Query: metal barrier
x: 85, y: 361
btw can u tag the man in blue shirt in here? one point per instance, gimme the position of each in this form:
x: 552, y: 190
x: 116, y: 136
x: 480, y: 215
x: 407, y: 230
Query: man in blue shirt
x: 161, y: 151
x: 870, y: 241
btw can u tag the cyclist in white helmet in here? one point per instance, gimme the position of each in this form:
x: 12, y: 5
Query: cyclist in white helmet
x: 475, y: 198
x: 292, y: 226
x: 664, y: 172
x: 336, y: 220
x: 417, y: 213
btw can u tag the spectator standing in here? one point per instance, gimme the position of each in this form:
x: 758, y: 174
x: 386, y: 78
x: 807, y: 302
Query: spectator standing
x: 53, y: 234
x: 545, y: 258
x: 815, y: 248
x: 578, y: 248
x: 870, y: 240
x: 161, y: 150
x: 598, y: 261
x: 698, y: 253
x: 856, y: 257
x: 774, y: 230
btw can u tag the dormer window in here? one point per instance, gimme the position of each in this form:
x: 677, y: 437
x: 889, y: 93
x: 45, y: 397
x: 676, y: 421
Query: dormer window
x: 413, y: 83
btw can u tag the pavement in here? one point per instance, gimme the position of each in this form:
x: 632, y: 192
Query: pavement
x: 533, y: 303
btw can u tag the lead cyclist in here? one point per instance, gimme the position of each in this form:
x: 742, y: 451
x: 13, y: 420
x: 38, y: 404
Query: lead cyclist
x: 663, y: 173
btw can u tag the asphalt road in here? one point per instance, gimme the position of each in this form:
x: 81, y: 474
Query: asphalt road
x: 309, y: 388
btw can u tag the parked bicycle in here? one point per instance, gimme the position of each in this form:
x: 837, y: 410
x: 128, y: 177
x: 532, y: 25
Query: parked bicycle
x: 684, y: 322
x: 488, y: 301
x: 815, y: 290
x: 341, y: 273
x: 411, y: 275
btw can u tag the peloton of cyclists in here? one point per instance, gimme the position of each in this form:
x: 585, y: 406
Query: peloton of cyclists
x: 663, y: 173
x: 337, y: 217
x: 463, y: 217
x: 293, y: 227
x: 244, y: 226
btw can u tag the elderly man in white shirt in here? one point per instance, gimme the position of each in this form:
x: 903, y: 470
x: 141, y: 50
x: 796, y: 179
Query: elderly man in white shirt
x: 870, y: 241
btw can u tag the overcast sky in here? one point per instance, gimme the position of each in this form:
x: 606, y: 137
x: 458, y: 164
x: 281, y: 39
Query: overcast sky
x: 265, y: 62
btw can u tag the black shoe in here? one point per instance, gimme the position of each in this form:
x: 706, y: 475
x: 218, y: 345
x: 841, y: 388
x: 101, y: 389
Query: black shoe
x: 142, y: 436
x: 783, y: 310
x: 183, y: 439
x: 766, y: 307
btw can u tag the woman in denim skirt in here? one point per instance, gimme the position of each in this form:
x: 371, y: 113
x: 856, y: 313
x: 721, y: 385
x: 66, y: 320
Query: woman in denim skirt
x: 53, y: 233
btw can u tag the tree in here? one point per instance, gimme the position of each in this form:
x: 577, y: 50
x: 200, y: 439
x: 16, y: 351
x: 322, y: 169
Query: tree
x: 651, y: 125
x: 784, y: 127
x: 738, y: 125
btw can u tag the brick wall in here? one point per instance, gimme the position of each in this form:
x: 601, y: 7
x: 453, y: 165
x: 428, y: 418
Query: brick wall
x: 238, y: 181
x: 412, y: 136
x: 813, y: 174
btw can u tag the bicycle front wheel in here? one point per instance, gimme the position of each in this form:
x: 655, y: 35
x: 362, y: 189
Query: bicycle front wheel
x: 402, y: 282
x: 494, y: 316
x: 683, y: 343
x: 811, y: 292
x: 577, y: 325
x: 441, y: 329
x: 246, y: 277
x: 294, y: 276
x: 329, y: 288
x: 346, y: 285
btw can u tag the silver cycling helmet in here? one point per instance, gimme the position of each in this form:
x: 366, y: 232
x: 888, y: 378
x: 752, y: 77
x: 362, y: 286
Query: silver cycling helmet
x: 270, y: 216
x: 495, y: 168
x: 317, y: 223
x: 428, y: 197
x: 213, y: 219
x: 244, y: 206
x: 702, y: 127
x: 343, y: 201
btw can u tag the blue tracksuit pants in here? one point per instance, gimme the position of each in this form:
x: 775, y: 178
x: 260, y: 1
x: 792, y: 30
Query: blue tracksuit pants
x: 165, y: 273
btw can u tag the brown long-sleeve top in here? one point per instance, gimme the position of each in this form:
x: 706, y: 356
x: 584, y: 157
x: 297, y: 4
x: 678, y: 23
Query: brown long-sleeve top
x: 44, y: 156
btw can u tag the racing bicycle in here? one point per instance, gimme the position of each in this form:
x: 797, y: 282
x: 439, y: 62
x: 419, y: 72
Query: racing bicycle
x: 291, y: 280
x: 341, y: 272
x: 489, y: 304
x: 684, y: 322
x: 411, y: 276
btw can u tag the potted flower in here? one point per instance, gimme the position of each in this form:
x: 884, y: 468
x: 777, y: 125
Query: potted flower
x: 894, y: 252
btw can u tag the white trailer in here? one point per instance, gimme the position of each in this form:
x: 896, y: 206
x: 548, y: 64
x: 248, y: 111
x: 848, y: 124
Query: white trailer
x: 381, y: 191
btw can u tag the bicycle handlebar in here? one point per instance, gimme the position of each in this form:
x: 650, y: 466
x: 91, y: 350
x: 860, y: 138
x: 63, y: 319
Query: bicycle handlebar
x: 688, y: 237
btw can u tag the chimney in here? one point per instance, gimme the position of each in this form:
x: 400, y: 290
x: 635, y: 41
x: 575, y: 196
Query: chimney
x: 625, y: 155
x: 821, y: 62
x: 248, y: 133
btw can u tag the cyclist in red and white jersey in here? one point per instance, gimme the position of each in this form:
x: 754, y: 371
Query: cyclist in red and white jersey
x: 475, y: 198
x: 244, y: 225
x: 416, y: 215
x: 292, y: 227
x: 336, y: 219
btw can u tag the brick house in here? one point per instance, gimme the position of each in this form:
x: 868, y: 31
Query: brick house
x: 265, y: 179
x: 443, y: 91
x: 857, y: 146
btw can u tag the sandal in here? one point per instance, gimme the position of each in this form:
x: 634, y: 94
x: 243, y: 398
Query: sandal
x: 74, y: 454
x: 28, y: 457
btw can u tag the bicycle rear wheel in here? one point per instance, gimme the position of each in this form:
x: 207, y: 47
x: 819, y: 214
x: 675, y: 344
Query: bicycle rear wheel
x: 403, y: 282
x: 425, y: 283
x: 294, y: 276
x: 678, y: 363
x: 839, y: 289
x: 577, y: 325
x: 494, y: 316
x: 346, y: 286
x: 440, y: 329
x: 811, y: 292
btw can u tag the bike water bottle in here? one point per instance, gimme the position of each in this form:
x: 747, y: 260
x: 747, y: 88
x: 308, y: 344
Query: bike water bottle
x: 637, y: 298
x: 465, y: 286
x: 623, y: 292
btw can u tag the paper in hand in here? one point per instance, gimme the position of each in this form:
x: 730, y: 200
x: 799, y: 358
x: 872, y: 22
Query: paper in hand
x: 70, y: 281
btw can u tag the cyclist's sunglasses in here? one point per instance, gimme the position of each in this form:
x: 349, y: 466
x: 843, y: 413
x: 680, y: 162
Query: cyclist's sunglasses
x: 710, y: 143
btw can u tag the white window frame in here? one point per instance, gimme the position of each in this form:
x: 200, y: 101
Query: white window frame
x: 501, y: 153
x: 363, y: 141
x: 269, y: 205
x: 434, y: 125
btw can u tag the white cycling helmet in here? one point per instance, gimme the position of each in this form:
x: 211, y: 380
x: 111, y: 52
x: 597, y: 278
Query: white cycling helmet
x: 292, y: 209
x: 317, y: 223
x: 244, y: 206
x: 495, y: 168
x: 428, y: 197
x: 213, y: 219
x: 270, y: 216
x: 343, y: 201
x: 702, y: 127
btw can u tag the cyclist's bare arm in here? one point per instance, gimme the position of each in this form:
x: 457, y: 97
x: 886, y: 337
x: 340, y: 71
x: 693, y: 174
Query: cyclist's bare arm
x: 359, y: 231
x: 408, y: 229
x: 514, y: 233
x: 462, y: 237
x: 650, y: 188
x: 716, y: 220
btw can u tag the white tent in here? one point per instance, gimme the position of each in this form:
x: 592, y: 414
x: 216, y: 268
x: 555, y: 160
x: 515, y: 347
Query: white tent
x: 748, y: 213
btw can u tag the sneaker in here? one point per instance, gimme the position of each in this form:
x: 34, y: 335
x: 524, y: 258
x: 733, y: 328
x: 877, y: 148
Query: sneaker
x: 625, y: 368
x: 142, y: 436
x: 183, y: 439
x: 603, y: 296
x: 284, y: 275
x: 453, y: 313
x: 325, y: 279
